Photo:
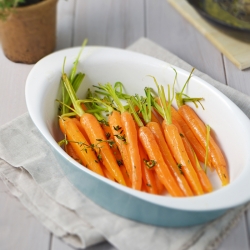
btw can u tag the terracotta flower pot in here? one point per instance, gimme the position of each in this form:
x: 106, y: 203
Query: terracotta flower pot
x: 29, y: 33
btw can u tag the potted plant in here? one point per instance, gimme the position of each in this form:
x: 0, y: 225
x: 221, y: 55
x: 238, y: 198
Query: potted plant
x: 27, y: 29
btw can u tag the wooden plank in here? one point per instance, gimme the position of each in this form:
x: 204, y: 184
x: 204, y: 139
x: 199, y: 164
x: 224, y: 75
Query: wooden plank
x: 237, y: 79
x: 169, y: 29
x: 19, y: 229
x: 13, y: 78
x: 113, y: 23
x: 233, y: 44
x: 65, y: 21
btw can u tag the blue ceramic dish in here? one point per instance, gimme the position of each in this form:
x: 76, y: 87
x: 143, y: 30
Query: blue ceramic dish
x: 103, y: 65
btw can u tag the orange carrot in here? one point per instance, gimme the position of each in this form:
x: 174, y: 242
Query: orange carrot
x: 160, y: 187
x: 175, y: 143
x: 115, y: 149
x: 96, y: 135
x: 125, y: 176
x: 115, y: 124
x: 199, y: 129
x: 77, y: 122
x: 205, y: 182
x: 80, y: 145
x: 71, y: 152
x: 168, y: 158
x: 155, y: 156
x: 199, y: 150
x: 131, y: 138
x: 150, y: 145
x: 148, y: 176
x: 177, y: 148
x: 130, y: 131
x: 108, y: 174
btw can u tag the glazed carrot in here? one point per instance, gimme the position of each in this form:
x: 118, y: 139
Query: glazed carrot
x: 148, y: 175
x: 177, y: 148
x: 131, y: 137
x: 156, y: 160
x: 160, y: 187
x: 110, y: 136
x: 115, y: 124
x: 198, y: 148
x: 115, y: 149
x: 167, y: 155
x: 71, y: 152
x: 175, y: 143
x: 125, y: 175
x: 186, y: 143
x: 95, y: 134
x: 78, y: 124
x: 80, y: 145
x: 204, y: 180
x: 199, y: 129
x: 144, y: 187
x: 160, y: 167
x: 108, y: 175
x: 130, y: 131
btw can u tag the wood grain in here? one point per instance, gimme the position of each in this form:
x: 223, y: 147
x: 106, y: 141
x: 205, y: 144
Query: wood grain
x: 113, y: 23
x: 170, y: 30
x: 19, y: 229
x: 65, y: 23
x: 237, y: 79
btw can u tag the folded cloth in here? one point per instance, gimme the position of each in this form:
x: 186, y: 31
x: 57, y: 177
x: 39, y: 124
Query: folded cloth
x: 30, y: 171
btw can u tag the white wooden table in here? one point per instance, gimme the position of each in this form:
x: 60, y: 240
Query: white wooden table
x: 116, y: 23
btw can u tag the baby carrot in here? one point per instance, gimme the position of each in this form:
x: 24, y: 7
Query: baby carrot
x: 178, y: 150
x: 78, y: 124
x: 71, y: 152
x: 115, y: 124
x: 132, y: 148
x: 204, y: 180
x: 160, y: 167
x: 148, y: 176
x: 125, y: 175
x: 131, y: 137
x: 80, y: 145
x: 177, y: 173
x: 95, y: 134
x: 198, y: 148
x: 115, y: 148
x: 160, y: 187
x: 199, y: 129
x: 154, y: 154
x: 175, y: 143
x: 108, y: 175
